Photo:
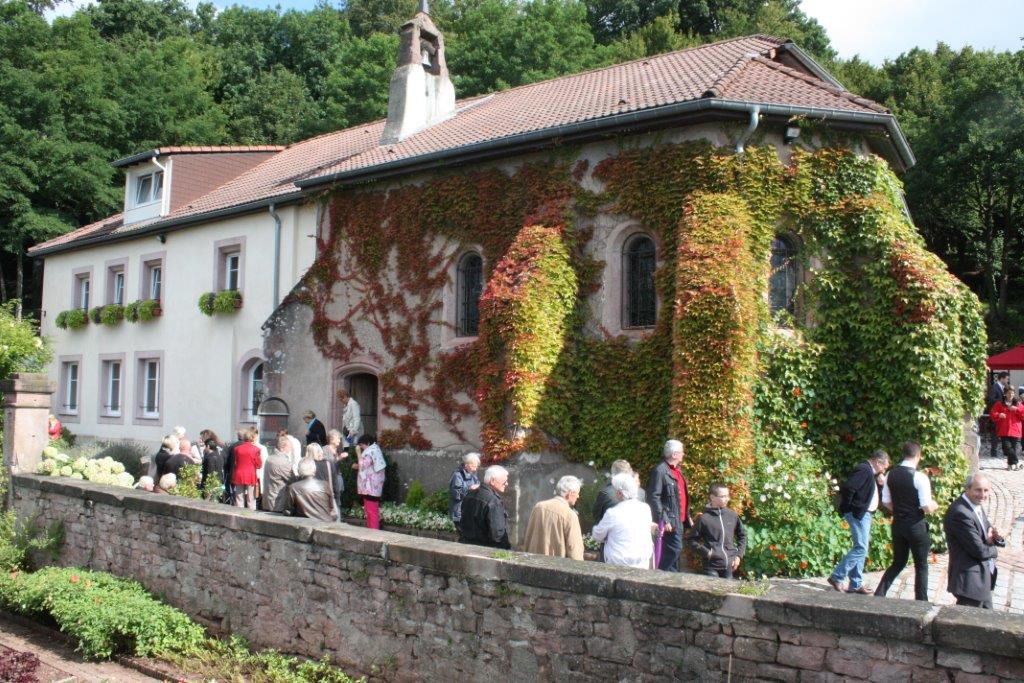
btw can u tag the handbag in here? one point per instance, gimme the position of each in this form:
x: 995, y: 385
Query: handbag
x: 657, y: 544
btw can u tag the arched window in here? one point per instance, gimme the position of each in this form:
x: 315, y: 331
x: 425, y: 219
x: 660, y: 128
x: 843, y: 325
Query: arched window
x: 639, y: 260
x: 784, y: 276
x: 469, y: 286
x: 253, y: 390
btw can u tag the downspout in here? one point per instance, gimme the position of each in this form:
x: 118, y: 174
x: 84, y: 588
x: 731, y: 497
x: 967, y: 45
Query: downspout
x: 277, y: 254
x: 755, y: 118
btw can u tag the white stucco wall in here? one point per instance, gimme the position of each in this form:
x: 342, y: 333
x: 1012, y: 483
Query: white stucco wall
x: 200, y: 371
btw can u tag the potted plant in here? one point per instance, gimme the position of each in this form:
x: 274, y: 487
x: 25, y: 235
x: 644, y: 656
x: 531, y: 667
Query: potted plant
x: 96, y: 314
x: 131, y: 312
x: 112, y: 314
x: 149, y: 309
x: 228, y: 301
x: 206, y: 303
x: 71, y: 319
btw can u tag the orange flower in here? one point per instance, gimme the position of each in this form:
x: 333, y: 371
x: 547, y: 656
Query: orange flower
x: 772, y: 548
x: 796, y: 391
x: 844, y: 524
x: 803, y: 425
x: 74, y: 578
x: 803, y: 564
x: 782, y: 557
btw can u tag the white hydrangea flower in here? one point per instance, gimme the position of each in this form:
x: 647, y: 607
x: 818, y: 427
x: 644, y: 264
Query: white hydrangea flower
x: 76, y: 475
x: 117, y: 468
x: 66, y: 471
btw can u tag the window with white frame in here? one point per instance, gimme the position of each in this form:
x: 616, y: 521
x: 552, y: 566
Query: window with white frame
x: 152, y: 279
x: 149, y: 188
x: 231, y: 268
x: 111, y: 377
x: 253, y: 390
x: 70, y: 384
x: 83, y: 290
x: 149, y: 389
x: 115, y: 285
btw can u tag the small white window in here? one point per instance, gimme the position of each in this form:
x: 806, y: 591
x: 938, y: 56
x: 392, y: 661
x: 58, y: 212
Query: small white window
x: 70, y: 403
x: 112, y: 381
x: 119, y: 287
x: 151, y: 388
x: 83, y: 290
x: 254, y: 391
x: 232, y: 261
x: 155, y: 281
x: 149, y: 188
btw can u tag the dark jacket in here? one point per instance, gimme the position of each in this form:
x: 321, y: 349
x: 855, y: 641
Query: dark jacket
x: 213, y: 463
x: 969, y: 576
x: 717, y: 537
x: 484, y: 520
x: 458, y: 488
x: 229, y: 466
x: 857, y: 491
x: 995, y: 394
x: 167, y: 462
x: 663, y: 497
x: 316, y: 433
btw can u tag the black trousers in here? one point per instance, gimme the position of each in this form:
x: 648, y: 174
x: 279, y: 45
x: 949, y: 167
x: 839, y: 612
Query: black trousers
x: 724, y: 573
x: 970, y: 602
x: 908, y: 539
x: 993, y: 439
x: 1010, y: 447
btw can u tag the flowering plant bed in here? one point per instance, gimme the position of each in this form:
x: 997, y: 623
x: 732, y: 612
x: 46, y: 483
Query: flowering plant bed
x: 228, y: 301
x: 143, y: 310
x: 405, y: 517
x: 71, y: 319
x: 111, y: 314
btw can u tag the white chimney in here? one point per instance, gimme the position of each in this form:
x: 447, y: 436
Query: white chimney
x: 421, y: 92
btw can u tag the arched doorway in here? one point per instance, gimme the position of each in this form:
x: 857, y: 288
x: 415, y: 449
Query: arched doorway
x: 363, y: 387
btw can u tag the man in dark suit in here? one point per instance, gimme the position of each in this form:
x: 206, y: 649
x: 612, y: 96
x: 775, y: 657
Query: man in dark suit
x: 858, y: 501
x: 972, y: 545
x: 315, y: 430
x: 669, y: 498
x: 995, y: 394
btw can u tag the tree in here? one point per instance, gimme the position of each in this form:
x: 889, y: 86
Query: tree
x: 273, y: 107
x: 611, y: 19
x: 356, y: 88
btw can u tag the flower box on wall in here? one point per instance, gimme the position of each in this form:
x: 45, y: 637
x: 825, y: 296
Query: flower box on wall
x: 112, y: 314
x: 72, y: 319
x: 228, y: 301
x: 143, y: 310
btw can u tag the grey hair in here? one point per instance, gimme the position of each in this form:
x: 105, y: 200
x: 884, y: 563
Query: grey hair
x: 179, y: 432
x: 315, y: 451
x: 972, y: 478
x: 881, y: 456
x: 625, y: 483
x: 334, y: 434
x: 471, y: 457
x: 495, y: 472
x: 307, y: 468
x: 671, y: 446
x: 568, y: 484
x: 620, y: 466
x: 168, y: 481
x: 171, y: 443
x: 145, y: 481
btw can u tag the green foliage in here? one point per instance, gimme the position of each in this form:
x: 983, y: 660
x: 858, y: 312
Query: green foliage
x: 414, y: 497
x: 131, y: 312
x: 128, y: 453
x: 149, y: 309
x: 21, y: 347
x: 112, y: 314
x: 206, y: 302
x: 393, y: 514
x: 96, y: 315
x: 436, y: 502
x: 227, y: 301
x: 71, y: 319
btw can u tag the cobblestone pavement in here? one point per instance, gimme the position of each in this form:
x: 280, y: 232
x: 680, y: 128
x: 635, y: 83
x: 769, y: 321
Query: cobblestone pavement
x: 1005, y: 509
x: 59, y: 662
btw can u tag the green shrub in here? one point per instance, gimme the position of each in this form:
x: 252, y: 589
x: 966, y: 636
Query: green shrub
x: 414, y: 497
x: 189, y: 477
x: 131, y: 312
x: 128, y: 454
x: 206, y: 303
x: 436, y: 502
x: 71, y: 319
x: 21, y: 348
x: 112, y: 314
x: 96, y: 314
x: 149, y: 309
x: 228, y: 301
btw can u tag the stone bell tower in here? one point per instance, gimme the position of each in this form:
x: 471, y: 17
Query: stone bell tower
x: 421, y: 92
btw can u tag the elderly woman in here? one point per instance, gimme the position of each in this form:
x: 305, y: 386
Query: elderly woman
x: 335, y: 452
x: 167, y: 483
x: 326, y: 470
x: 145, y: 483
x: 462, y: 482
x: 169, y: 458
x: 370, y: 480
x: 554, y: 527
x: 309, y: 496
x: 627, y: 528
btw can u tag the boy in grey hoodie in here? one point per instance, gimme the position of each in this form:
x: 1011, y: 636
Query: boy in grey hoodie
x: 718, y: 536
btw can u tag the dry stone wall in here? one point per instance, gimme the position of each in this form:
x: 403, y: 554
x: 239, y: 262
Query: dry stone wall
x: 406, y: 608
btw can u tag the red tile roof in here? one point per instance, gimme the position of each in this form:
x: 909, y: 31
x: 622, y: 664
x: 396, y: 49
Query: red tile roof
x: 740, y: 70
x: 195, y: 149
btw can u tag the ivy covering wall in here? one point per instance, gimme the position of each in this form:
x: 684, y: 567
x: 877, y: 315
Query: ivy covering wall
x: 895, y: 351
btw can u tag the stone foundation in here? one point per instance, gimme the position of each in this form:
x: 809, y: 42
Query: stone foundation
x: 410, y: 608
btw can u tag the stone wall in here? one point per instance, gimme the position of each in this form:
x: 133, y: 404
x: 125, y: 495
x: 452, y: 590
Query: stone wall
x: 409, y: 608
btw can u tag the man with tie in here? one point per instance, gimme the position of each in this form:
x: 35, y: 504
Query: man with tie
x: 972, y: 545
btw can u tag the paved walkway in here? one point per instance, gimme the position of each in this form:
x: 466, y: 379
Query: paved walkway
x: 1005, y: 509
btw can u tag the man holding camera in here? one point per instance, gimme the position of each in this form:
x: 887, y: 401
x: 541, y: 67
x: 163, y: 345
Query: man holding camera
x: 972, y: 545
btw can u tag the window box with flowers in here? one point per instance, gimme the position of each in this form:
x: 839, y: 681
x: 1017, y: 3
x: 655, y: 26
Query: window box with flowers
x: 228, y: 301
x: 143, y: 310
x: 111, y: 314
x: 72, y: 319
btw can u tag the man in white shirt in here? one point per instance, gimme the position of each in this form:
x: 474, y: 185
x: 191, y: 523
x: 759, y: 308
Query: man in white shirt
x: 627, y: 528
x: 351, y: 422
x: 908, y: 495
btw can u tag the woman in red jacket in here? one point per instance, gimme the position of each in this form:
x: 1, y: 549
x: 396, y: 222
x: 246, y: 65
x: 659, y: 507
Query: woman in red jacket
x: 1008, y: 416
x: 247, y: 462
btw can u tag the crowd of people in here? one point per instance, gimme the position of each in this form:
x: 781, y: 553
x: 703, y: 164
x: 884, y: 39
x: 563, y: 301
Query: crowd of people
x: 649, y: 528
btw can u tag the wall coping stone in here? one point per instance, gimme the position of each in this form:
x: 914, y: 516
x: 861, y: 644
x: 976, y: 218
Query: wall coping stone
x: 28, y: 383
x: 785, y: 604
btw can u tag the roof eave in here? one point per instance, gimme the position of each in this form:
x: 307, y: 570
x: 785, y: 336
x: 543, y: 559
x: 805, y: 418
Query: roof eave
x: 136, y: 158
x: 811, y: 64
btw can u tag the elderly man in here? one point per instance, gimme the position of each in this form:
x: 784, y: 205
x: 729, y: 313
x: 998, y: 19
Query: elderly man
x: 606, y: 497
x: 316, y: 432
x: 278, y: 472
x: 858, y: 500
x: 311, y: 497
x: 554, y: 527
x: 669, y: 498
x: 972, y: 544
x: 627, y: 527
x: 484, y: 519
x: 462, y: 482
x: 351, y: 420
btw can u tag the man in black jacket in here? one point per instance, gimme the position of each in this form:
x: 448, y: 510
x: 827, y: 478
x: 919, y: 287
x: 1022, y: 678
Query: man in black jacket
x: 484, y: 519
x: 718, y: 536
x: 972, y: 541
x: 669, y: 498
x: 315, y: 430
x: 995, y: 394
x: 858, y: 500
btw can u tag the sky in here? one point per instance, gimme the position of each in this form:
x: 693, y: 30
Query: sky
x: 874, y: 29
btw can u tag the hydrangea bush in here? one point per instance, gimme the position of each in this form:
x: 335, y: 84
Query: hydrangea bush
x: 98, y: 470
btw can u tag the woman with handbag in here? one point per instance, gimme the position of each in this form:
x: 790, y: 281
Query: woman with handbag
x: 370, y: 480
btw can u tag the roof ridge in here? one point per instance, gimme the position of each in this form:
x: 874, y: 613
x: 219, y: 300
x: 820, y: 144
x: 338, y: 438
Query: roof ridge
x: 828, y: 87
x: 718, y: 87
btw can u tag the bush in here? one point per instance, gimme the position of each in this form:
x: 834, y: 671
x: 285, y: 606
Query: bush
x: 131, y: 312
x: 228, y: 301
x: 128, y: 453
x: 436, y: 502
x: 394, y: 514
x: 71, y: 319
x: 414, y: 497
x: 96, y: 314
x: 112, y: 314
x: 149, y: 309
x: 21, y: 348
x: 206, y: 303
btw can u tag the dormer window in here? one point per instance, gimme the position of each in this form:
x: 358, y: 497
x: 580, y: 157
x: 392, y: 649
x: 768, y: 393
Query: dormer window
x: 149, y: 188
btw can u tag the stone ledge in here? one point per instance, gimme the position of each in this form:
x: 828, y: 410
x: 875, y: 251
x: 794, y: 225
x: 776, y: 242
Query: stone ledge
x: 969, y: 628
x: 445, y: 556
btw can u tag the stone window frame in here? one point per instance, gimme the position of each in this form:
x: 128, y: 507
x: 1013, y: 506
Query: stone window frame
x: 624, y: 257
x: 112, y: 267
x: 139, y: 416
x: 62, y: 410
x: 243, y: 368
x: 146, y: 264
x: 613, y: 313
x: 221, y: 250
x: 340, y: 374
x: 797, y: 246
x: 450, y: 298
x: 77, y: 275
x: 103, y: 415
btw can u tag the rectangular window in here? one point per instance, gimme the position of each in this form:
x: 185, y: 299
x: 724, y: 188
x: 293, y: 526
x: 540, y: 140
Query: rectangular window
x: 232, y: 261
x: 155, y: 276
x: 229, y: 265
x: 152, y: 282
x: 112, y: 388
x: 150, y: 388
x: 69, y: 403
x: 149, y: 188
x: 83, y: 287
x: 117, y: 295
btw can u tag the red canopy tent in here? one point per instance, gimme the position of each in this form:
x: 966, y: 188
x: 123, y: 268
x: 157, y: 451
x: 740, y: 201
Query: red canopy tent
x: 1012, y: 359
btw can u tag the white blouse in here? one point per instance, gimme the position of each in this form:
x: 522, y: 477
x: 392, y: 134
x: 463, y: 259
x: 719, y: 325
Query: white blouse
x: 625, y: 530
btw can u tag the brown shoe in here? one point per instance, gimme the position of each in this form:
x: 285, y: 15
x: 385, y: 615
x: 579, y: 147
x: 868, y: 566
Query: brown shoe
x: 838, y: 585
x: 863, y: 590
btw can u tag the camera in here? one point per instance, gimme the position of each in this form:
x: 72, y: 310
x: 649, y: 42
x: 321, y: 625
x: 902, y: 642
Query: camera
x: 999, y: 542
